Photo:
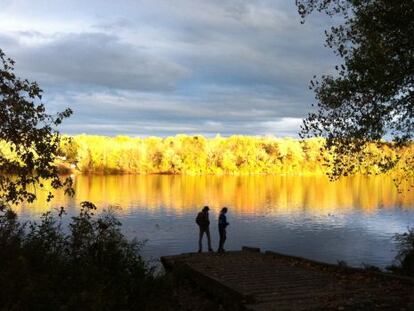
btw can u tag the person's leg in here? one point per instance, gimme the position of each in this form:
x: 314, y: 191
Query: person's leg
x: 200, y: 238
x: 224, y: 239
x: 209, y: 239
x: 220, y: 248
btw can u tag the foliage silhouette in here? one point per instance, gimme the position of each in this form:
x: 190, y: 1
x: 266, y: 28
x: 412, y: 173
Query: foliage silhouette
x: 371, y: 96
x: 87, y: 265
x: 30, y: 135
x: 91, y: 266
x: 405, y: 256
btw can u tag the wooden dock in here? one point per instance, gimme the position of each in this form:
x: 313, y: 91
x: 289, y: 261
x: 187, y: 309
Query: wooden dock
x: 252, y: 280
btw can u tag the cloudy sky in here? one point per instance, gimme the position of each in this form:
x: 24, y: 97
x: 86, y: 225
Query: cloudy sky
x: 163, y: 67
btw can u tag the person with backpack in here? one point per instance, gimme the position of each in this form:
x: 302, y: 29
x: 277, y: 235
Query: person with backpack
x: 203, y: 223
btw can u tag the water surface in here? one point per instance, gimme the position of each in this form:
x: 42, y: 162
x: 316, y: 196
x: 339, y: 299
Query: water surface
x: 353, y: 219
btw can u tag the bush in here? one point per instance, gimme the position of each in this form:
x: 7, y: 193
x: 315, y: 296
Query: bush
x: 405, y: 256
x: 88, y: 265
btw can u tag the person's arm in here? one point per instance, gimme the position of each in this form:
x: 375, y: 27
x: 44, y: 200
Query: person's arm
x: 223, y: 221
x: 220, y: 222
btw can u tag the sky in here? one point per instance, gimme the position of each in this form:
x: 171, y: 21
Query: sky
x: 160, y: 67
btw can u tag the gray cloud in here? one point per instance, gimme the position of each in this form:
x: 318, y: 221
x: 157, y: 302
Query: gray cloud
x: 144, y: 114
x: 97, y: 59
x: 160, y: 67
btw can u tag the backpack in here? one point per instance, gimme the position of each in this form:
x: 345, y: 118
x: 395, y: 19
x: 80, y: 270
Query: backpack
x: 199, y: 219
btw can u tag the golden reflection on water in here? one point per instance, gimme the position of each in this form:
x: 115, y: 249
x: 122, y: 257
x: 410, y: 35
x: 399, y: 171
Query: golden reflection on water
x: 259, y: 194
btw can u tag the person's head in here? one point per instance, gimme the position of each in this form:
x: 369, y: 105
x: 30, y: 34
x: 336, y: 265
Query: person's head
x: 224, y: 210
x: 205, y: 209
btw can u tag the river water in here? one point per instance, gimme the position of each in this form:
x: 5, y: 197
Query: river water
x: 352, y: 220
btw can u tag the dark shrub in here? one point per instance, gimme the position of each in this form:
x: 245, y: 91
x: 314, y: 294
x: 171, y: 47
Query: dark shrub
x: 405, y: 256
x: 90, y: 266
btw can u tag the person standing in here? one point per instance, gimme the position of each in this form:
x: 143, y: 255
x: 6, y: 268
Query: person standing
x: 203, y: 223
x: 222, y: 224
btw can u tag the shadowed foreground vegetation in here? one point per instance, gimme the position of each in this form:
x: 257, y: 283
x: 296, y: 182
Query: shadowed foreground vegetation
x: 85, y: 265
x: 405, y: 257
x: 194, y: 155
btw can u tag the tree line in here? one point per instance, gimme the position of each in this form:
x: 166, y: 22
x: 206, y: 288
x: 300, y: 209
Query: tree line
x: 196, y: 155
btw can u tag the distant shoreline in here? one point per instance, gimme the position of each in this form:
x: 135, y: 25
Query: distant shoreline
x: 197, y: 155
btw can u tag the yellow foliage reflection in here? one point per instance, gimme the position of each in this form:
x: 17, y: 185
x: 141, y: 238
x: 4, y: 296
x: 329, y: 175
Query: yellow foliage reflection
x: 256, y: 194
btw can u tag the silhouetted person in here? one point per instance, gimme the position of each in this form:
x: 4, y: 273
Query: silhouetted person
x: 203, y: 223
x: 222, y: 224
